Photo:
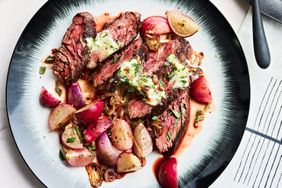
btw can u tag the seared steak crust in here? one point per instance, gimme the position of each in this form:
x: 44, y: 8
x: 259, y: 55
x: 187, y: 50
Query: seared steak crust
x: 172, y: 124
x: 138, y: 108
x: 123, y: 30
x: 72, y: 56
x: 108, y: 69
x: 154, y: 65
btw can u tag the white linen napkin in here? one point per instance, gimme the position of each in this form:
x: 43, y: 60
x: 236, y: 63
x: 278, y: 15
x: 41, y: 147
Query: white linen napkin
x: 258, y: 160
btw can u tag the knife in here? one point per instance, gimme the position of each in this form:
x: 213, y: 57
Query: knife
x: 272, y: 8
x: 259, y: 39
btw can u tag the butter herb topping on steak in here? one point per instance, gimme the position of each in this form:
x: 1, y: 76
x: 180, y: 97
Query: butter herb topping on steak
x: 72, y: 56
x: 114, y: 37
x: 155, y: 64
x: 108, y: 69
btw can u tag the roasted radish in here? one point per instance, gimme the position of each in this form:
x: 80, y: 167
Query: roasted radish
x: 60, y: 116
x: 89, y: 113
x: 128, y: 162
x: 167, y: 173
x: 143, y: 144
x: 75, y: 96
x: 93, y: 131
x: 121, y: 135
x: 47, y: 99
x: 200, y: 91
x: 107, y: 154
x: 71, y: 137
x: 155, y: 25
x: 181, y: 24
x: 79, y: 158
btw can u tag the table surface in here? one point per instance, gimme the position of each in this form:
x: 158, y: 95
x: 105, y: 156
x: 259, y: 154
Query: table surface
x: 14, y: 172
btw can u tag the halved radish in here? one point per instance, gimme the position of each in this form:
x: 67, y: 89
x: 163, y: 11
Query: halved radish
x: 93, y: 131
x: 61, y: 116
x: 181, y: 24
x: 167, y: 173
x: 200, y: 90
x: 107, y: 154
x: 155, y: 25
x: 71, y: 137
x: 75, y: 96
x: 79, y: 158
x: 89, y: 113
x: 47, y: 99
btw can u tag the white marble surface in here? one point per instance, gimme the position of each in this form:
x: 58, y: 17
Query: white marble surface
x: 14, y: 15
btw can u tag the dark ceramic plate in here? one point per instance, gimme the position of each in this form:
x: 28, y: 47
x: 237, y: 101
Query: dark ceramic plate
x: 225, y: 67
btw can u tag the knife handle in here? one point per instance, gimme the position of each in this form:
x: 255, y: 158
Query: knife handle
x: 260, y: 43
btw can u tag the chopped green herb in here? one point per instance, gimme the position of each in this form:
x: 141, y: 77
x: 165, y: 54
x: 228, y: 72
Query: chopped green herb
x: 70, y: 140
x: 58, y: 90
x: 176, y: 114
x: 155, y: 118
x: 50, y: 58
x: 90, y: 147
x: 42, y: 70
x: 166, y: 64
x: 116, y: 59
x: 168, y: 136
x: 77, y: 130
x: 176, y: 121
x: 67, y: 62
x: 199, y: 118
x: 199, y: 112
x: 61, y: 155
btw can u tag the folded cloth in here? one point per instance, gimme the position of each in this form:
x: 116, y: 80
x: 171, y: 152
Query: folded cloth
x: 258, y: 160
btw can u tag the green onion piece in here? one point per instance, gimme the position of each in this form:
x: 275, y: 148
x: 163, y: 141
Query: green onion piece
x: 58, y: 91
x: 176, y: 121
x: 70, y: 140
x: 77, y: 130
x: 42, y: 70
x: 155, y: 118
x: 61, y: 155
x: 50, y: 58
x: 199, y: 118
x: 168, y: 136
x: 176, y: 114
x: 90, y: 147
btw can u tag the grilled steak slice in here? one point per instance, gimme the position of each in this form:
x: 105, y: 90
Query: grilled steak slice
x: 122, y: 30
x: 178, y: 46
x: 72, y: 56
x: 173, y: 119
x: 154, y: 64
x: 138, y: 108
x: 108, y: 69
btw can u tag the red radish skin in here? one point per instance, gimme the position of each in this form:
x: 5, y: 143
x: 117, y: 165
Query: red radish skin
x: 200, y: 91
x: 61, y: 116
x: 75, y: 96
x: 89, y: 113
x: 71, y: 132
x: 107, y: 154
x: 93, y: 131
x: 47, y: 99
x: 167, y: 173
x: 79, y: 158
x: 155, y: 25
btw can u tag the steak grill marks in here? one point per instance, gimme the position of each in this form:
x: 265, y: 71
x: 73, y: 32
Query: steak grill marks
x: 72, y: 56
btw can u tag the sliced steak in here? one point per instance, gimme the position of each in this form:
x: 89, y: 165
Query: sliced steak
x: 154, y: 64
x: 122, y: 30
x: 138, y: 108
x: 108, y: 69
x: 172, y: 125
x: 178, y: 46
x: 72, y: 56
